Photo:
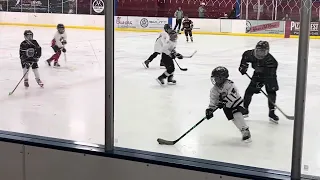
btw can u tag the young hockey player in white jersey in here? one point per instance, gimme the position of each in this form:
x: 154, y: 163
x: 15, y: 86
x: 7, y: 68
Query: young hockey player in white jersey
x: 58, y: 44
x: 162, y: 39
x: 224, y: 95
x: 168, y: 54
x: 30, y: 52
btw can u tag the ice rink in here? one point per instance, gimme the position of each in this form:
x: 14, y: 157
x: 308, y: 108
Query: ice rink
x: 71, y: 104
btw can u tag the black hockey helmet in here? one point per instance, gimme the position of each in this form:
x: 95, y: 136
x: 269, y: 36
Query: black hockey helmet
x: 261, y: 50
x: 28, y: 35
x: 60, y: 28
x: 173, y: 35
x: 219, y: 75
x: 167, y: 27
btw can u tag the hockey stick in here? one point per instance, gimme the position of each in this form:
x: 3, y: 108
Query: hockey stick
x: 284, y: 114
x: 182, y: 69
x: 166, y: 142
x: 10, y: 93
x: 191, y: 55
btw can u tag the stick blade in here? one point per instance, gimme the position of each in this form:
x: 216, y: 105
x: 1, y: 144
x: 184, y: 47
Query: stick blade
x: 184, y: 69
x: 290, y: 117
x: 165, y: 142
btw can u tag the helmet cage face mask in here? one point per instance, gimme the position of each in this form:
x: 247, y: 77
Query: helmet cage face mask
x: 260, y: 53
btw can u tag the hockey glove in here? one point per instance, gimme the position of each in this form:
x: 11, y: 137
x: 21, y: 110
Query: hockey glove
x: 63, y: 50
x: 209, y: 113
x: 179, y: 56
x: 64, y: 42
x: 243, y: 69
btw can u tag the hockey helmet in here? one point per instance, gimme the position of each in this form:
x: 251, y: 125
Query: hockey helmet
x: 28, y: 35
x: 219, y: 75
x: 60, y: 28
x: 173, y: 35
x: 167, y: 27
x: 261, y: 50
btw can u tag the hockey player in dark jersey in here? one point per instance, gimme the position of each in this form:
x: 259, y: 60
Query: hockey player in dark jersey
x: 187, y: 26
x: 168, y: 54
x: 30, y: 52
x: 265, y: 74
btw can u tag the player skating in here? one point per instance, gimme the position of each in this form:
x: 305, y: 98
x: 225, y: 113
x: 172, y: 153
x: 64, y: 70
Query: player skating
x: 265, y: 74
x: 168, y: 54
x: 224, y: 95
x: 30, y: 52
x: 57, y: 44
x: 162, y: 39
x: 187, y: 26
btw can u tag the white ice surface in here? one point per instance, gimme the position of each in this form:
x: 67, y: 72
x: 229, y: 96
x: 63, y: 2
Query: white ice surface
x: 72, y: 102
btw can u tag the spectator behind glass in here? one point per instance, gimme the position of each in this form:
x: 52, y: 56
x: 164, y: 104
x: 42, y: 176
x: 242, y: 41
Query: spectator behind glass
x: 201, y: 10
x: 232, y: 14
x: 286, y: 18
x: 179, y: 16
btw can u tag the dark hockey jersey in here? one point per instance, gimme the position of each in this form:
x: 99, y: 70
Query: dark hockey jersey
x: 30, y: 50
x: 187, y: 24
x: 266, y: 67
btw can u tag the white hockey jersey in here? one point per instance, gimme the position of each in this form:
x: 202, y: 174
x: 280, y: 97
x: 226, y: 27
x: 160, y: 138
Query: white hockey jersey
x: 161, y: 41
x: 169, y: 47
x: 229, y: 91
x: 58, y: 38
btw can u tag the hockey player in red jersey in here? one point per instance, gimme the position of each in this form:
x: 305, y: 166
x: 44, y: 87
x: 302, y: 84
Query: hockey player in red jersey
x: 187, y: 26
x: 58, y: 45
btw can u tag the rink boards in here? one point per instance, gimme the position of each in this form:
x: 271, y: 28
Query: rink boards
x: 231, y: 27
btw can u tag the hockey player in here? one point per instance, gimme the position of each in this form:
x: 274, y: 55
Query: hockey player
x: 265, y: 73
x: 224, y: 95
x: 30, y: 52
x: 187, y: 26
x: 58, y: 44
x: 162, y: 39
x: 168, y: 54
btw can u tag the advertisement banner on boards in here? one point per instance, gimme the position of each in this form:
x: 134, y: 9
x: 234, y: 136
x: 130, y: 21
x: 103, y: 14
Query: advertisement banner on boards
x: 152, y: 22
x: 124, y: 22
x: 264, y: 27
x: 314, y: 28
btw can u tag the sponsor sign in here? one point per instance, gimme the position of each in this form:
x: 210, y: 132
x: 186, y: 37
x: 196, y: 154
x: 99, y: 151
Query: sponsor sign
x: 124, y: 22
x: 98, y: 6
x: 314, y: 28
x: 264, y: 27
x: 152, y: 22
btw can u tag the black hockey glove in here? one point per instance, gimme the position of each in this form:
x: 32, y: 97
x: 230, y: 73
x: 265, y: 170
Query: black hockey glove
x: 179, y: 56
x: 209, y: 113
x: 64, y: 42
x: 63, y: 50
x: 243, y: 69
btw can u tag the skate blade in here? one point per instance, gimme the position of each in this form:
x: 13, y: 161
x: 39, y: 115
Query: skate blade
x: 247, y: 140
x: 159, y: 82
x: 144, y: 65
x: 171, y: 83
x: 273, y: 121
x: 245, y: 116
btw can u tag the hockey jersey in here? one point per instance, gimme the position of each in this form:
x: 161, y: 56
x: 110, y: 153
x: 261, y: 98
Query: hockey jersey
x: 228, y: 92
x: 169, y: 48
x: 162, y: 39
x: 58, y: 38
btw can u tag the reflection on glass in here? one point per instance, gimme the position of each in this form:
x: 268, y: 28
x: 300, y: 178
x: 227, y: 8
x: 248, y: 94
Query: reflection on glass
x: 41, y: 6
x: 83, y: 6
x: 14, y: 6
x: 55, y: 6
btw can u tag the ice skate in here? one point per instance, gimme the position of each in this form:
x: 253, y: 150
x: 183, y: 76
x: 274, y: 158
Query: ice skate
x: 273, y: 117
x: 171, y: 81
x: 146, y: 64
x: 40, y: 83
x: 245, y: 113
x: 160, y: 80
x: 191, y: 39
x: 49, y: 62
x: 26, y: 83
x: 246, y: 136
x: 56, y: 64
